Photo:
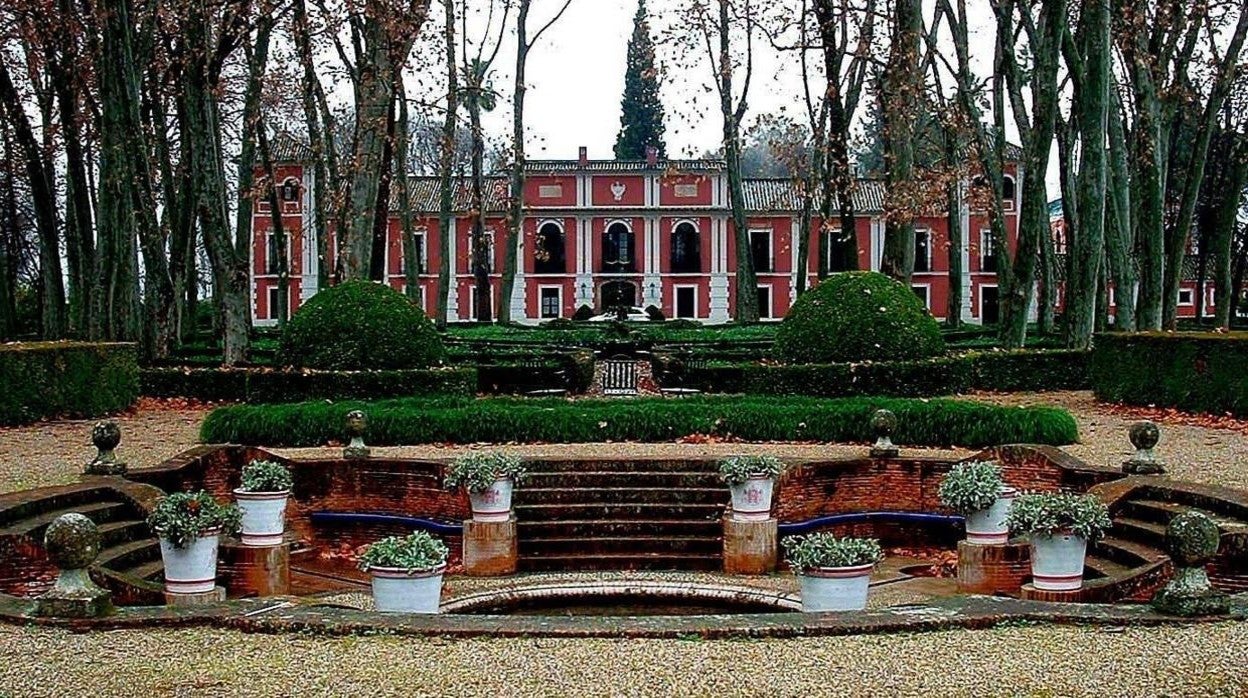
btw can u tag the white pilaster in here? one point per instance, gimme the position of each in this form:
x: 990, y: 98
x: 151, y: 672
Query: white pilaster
x: 719, y: 271
x: 584, y: 263
x: 964, y: 216
x: 309, y: 282
x: 795, y: 233
x: 452, y: 294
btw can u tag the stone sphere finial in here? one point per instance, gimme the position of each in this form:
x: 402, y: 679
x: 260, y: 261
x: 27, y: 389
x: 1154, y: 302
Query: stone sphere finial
x: 1144, y: 436
x: 72, y: 541
x: 1192, y: 539
x: 106, y: 436
x: 883, y: 423
x: 357, y: 424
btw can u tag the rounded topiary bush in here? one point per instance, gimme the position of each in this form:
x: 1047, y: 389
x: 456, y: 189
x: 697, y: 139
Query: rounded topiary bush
x: 858, y: 316
x: 360, y: 325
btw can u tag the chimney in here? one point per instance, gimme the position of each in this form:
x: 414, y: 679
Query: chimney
x: 652, y: 156
x: 584, y: 156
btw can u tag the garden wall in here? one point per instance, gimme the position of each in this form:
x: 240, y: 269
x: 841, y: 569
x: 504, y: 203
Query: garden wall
x: 66, y: 379
x: 1198, y: 372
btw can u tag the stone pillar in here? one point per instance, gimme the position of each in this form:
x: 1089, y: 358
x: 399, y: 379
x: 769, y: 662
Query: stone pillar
x: 1144, y: 437
x: 105, y: 436
x: 750, y: 547
x: 993, y: 569
x: 72, y: 541
x: 249, y: 570
x: 490, y: 548
x: 883, y: 423
x: 1192, y: 540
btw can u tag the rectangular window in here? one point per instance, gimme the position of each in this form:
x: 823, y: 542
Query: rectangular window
x: 489, y: 254
x: 923, y: 292
x: 551, y: 298
x: 1186, y: 297
x: 421, y: 262
x: 275, y: 302
x: 550, y: 191
x: 764, y: 302
x: 685, y: 191
x: 987, y: 251
x: 472, y: 303
x: 922, y: 250
x: 760, y: 248
x: 687, y: 301
x: 271, y: 253
x: 833, y: 245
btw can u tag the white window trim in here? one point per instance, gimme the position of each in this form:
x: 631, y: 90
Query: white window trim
x: 768, y: 314
x: 628, y: 225
x: 986, y: 243
x: 264, y: 270
x: 771, y: 245
x: 927, y: 293
x: 697, y: 230
x: 273, y: 293
x: 928, y: 233
x: 563, y: 237
x: 422, y: 233
x: 559, y: 294
x: 676, y: 294
x: 472, y: 303
x: 1008, y: 204
x: 980, y: 307
x: 1191, y: 297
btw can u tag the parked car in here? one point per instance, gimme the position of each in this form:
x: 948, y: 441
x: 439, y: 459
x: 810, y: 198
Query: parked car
x: 630, y: 314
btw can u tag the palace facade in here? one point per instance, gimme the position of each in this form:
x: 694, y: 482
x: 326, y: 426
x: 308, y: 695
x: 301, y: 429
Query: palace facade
x: 603, y: 233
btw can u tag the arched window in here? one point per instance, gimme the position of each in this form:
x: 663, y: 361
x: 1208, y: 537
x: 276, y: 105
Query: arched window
x: 548, y: 257
x: 290, y: 190
x: 617, y: 248
x: 686, y: 250
x: 1007, y: 188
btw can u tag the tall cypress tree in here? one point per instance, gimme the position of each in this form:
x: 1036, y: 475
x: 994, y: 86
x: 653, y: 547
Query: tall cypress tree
x: 641, y: 112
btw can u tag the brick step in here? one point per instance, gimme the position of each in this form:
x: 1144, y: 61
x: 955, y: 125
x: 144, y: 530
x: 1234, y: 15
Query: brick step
x: 152, y: 570
x: 118, y: 532
x: 623, y: 478
x: 556, y: 512
x: 1125, y: 552
x: 600, y: 528
x: 1096, y: 567
x: 705, y: 545
x: 639, y: 466
x: 60, y: 501
x: 622, y: 495
x: 1156, y: 511
x: 623, y: 561
x: 34, y: 526
x: 1146, y: 532
x: 127, y: 555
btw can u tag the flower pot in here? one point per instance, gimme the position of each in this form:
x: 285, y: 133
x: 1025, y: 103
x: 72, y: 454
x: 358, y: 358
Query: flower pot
x: 751, y: 500
x: 987, y: 527
x: 494, y: 503
x: 396, y: 590
x: 191, y: 569
x: 835, y: 588
x: 1057, y: 561
x: 264, y: 516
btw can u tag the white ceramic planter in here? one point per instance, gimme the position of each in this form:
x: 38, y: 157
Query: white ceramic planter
x: 264, y: 516
x: 751, y: 500
x: 191, y: 569
x: 1057, y: 561
x: 835, y: 588
x: 988, y: 527
x: 396, y: 590
x: 493, y: 504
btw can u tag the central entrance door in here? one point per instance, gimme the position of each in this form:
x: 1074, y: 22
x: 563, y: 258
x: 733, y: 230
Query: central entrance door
x: 618, y: 293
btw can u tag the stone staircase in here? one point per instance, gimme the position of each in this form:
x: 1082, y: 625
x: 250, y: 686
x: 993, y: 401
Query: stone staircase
x: 129, y: 562
x: 646, y: 514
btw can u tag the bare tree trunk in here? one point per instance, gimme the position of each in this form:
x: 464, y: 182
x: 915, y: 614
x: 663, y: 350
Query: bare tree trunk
x: 953, y: 220
x: 900, y: 105
x: 481, y: 261
x: 513, y: 238
x: 445, y: 165
x: 411, y: 256
x: 1120, y: 233
x: 324, y: 156
x: 747, y: 281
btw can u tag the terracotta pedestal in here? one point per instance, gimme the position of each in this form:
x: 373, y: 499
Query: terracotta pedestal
x: 217, y: 595
x: 750, y: 547
x: 249, y: 570
x: 993, y: 569
x: 490, y: 548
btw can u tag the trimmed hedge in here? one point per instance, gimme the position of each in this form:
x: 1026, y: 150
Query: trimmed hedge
x: 1198, y: 372
x: 504, y: 420
x: 998, y: 371
x: 70, y: 379
x: 265, y: 385
x: 858, y: 316
x: 360, y: 325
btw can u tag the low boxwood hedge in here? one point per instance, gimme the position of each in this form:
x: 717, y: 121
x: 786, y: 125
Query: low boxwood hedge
x: 500, y: 420
x: 1199, y: 372
x: 267, y: 385
x: 998, y: 371
x: 66, y: 379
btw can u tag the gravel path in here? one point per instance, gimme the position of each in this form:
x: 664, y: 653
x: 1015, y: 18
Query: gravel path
x: 1047, y: 661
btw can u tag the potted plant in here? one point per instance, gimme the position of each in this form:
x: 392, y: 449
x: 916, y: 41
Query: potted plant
x: 751, y: 479
x: 189, y: 526
x: 977, y: 491
x: 834, y: 573
x: 407, y: 572
x: 262, y: 499
x: 1059, y: 527
x: 489, y: 479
